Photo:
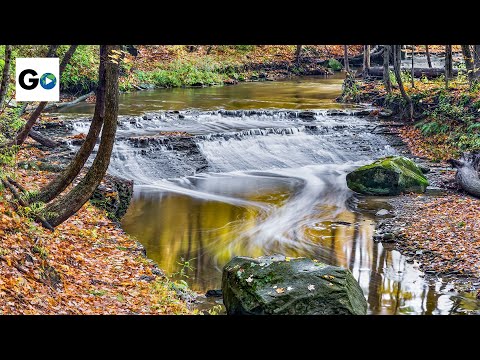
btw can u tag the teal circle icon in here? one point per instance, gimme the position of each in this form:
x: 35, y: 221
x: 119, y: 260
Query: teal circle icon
x: 48, y: 81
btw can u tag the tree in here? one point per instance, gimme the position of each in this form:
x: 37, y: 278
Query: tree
x: 297, y: 54
x: 386, y: 69
x: 5, y: 75
x: 413, y: 68
x: 429, y: 61
x: 397, y: 59
x: 66, y: 206
x: 345, y: 58
x: 476, y: 60
x: 467, y: 57
x: 448, y: 64
x: 61, y: 182
x: 23, y: 133
x: 366, y: 58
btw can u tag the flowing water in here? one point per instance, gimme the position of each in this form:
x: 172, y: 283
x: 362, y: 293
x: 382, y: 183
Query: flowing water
x: 249, y: 177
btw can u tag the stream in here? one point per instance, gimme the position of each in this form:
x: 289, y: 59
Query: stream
x: 253, y: 174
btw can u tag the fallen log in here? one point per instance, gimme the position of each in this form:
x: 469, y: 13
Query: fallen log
x: 42, y: 139
x: 376, y: 56
x: 60, y: 105
x: 467, y: 176
x: 429, y: 73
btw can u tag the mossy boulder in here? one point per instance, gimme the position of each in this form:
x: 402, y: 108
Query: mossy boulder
x: 388, y: 176
x: 275, y: 285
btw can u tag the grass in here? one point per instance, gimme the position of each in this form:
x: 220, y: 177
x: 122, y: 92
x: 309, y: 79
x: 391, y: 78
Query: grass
x: 178, y: 73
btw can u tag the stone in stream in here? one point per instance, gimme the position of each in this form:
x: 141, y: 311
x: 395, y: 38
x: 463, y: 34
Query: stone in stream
x: 276, y: 285
x: 388, y: 176
x: 382, y: 212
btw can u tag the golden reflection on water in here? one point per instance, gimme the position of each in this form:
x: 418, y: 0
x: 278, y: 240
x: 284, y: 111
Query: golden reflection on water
x: 173, y: 227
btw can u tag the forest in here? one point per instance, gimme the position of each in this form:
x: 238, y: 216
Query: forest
x: 242, y: 180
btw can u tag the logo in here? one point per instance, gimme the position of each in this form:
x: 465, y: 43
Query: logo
x: 37, y: 79
x: 48, y: 81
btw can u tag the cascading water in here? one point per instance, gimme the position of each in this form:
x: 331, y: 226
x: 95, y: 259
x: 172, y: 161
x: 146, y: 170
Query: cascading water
x: 214, y: 184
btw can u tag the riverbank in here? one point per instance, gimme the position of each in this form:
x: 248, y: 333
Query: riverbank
x: 87, y: 266
x: 167, y: 66
x: 438, y: 230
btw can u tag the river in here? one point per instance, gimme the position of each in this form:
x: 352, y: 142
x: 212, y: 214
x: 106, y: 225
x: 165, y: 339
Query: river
x: 251, y: 174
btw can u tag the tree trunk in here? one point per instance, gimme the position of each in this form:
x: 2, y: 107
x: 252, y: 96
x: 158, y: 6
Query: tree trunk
x: 476, y: 60
x: 23, y: 134
x: 429, y: 73
x: 52, y: 50
x: 297, y: 54
x: 22, y: 203
x: 396, y: 67
x: 467, y: 57
x: 61, y: 182
x: 413, y: 67
x: 448, y: 64
x: 5, y: 75
x: 79, y: 195
x: 468, y: 168
x: 345, y: 58
x: 386, y: 69
x: 366, y: 58
x: 429, y: 61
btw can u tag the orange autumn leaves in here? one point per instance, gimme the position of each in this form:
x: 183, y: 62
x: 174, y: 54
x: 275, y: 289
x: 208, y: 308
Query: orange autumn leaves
x: 87, y: 266
x: 433, y: 147
x: 447, y: 230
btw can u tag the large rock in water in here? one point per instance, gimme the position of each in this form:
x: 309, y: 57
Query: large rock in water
x: 275, y: 285
x: 388, y: 176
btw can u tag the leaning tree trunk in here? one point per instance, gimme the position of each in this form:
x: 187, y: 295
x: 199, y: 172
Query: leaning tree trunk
x: 61, y: 182
x: 23, y: 134
x: 397, y: 58
x: 467, y: 176
x: 345, y: 58
x: 467, y: 57
x: 429, y: 61
x: 386, y: 69
x: 68, y: 205
x: 5, y: 75
x: 366, y: 58
x: 297, y: 54
x: 448, y: 64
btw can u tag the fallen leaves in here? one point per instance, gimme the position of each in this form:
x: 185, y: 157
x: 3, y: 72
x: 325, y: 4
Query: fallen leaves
x: 87, y: 266
x: 445, y: 234
x: 433, y: 147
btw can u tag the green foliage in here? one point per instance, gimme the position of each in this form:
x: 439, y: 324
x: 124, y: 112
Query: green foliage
x: 97, y: 292
x: 188, y: 73
x: 334, y: 64
x: 41, y: 251
x: 351, y: 89
x: 216, y: 310
x: 433, y: 127
x: 185, y: 267
x: 81, y: 73
x: 244, y: 48
x: 447, y: 108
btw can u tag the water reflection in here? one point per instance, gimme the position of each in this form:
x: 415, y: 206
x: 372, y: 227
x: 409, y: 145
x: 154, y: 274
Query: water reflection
x: 175, y: 226
x: 300, y: 93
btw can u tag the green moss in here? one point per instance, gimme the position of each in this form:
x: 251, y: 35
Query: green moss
x: 388, y: 176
